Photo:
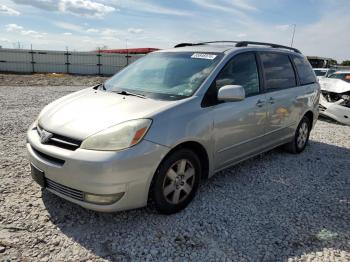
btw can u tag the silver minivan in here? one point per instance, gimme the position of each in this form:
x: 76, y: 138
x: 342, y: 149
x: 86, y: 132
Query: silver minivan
x: 171, y: 119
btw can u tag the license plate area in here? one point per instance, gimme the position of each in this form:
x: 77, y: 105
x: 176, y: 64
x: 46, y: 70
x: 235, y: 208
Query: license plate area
x: 37, y: 175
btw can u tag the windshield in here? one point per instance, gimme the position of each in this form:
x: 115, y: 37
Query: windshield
x: 165, y: 75
x: 345, y: 77
x: 330, y: 72
x: 320, y: 72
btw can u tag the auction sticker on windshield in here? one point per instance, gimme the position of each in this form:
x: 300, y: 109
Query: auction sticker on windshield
x: 203, y: 56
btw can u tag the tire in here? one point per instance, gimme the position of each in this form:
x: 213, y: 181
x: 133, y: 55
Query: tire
x: 301, y: 137
x: 176, y: 181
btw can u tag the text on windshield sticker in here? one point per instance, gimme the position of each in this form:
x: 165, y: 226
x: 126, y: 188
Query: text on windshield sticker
x: 203, y: 56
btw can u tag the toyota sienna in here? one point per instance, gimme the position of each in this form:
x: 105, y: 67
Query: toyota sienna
x: 173, y: 118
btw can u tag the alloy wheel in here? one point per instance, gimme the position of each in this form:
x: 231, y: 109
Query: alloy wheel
x: 179, y: 181
x: 303, y: 134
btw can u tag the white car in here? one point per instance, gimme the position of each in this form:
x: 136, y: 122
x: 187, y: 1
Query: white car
x: 321, y: 72
x: 335, y: 96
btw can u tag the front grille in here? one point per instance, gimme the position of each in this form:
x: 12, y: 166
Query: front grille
x: 61, y: 141
x: 48, y: 158
x: 64, y: 142
x: 64, y: 190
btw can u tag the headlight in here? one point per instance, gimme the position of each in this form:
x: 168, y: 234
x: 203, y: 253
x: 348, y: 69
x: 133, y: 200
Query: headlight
x: 33, y: 125
x: 118, y: 137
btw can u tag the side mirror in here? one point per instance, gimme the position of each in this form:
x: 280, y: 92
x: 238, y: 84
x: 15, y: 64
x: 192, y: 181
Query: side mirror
x: 231, y: 93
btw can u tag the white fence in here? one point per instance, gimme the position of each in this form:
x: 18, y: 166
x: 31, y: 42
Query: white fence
x: 41, y: 61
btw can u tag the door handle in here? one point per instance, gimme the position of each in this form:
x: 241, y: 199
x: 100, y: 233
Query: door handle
x: 260, y: 103
x: 271, y: 100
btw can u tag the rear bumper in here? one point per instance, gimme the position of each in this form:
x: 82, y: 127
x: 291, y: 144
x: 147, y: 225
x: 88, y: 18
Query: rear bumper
x: 99, y: 172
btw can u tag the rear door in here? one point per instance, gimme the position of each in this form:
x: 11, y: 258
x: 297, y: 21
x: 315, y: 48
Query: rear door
x: 281, y: 89
x: 239, y: 126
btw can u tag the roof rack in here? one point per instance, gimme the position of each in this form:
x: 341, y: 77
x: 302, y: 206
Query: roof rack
x: 241, y: 44
x: 203, y: 43
x: 185, y: 44
x: 246, y: 43
x: 214, y: 42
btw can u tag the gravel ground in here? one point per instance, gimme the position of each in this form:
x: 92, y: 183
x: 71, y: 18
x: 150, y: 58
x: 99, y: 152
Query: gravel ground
x: 49, y: 80
x: 274, y: 207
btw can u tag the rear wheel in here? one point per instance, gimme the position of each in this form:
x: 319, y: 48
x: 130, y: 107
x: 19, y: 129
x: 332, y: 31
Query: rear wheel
x: 176, y: 181
x: 301, y: 137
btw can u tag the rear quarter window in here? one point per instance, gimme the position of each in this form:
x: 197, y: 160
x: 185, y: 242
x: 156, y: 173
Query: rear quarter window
x: 305, y: 72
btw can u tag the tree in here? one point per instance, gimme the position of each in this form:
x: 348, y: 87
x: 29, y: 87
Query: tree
x: 333, y: 62
x: 346, y: 63
x: 102, y: 47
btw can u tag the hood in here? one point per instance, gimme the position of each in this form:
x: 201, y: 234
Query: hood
x: 89, y: 111
x: 334, y: 85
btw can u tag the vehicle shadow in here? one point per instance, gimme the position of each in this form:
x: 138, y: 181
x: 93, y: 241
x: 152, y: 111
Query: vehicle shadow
x: 270, y: 208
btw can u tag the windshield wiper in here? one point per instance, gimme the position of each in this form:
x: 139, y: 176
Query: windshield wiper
x: 100, y: 86
x: 127, y: 93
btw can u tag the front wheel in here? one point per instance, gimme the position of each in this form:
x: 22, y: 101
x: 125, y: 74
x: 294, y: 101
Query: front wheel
x: 301, y: 137
x: 176, y: 181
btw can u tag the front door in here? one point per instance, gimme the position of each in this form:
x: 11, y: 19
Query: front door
x: 239, y: 126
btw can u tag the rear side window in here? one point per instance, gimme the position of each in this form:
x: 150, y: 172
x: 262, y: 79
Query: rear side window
x: 241, y: 70
x: 278, y: 71
x: 305, y: 72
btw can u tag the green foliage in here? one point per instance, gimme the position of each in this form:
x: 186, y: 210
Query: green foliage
x: 333, y: 62
x: 346, y: 63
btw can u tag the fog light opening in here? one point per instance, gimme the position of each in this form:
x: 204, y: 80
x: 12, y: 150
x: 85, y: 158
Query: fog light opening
x: 103, y: 199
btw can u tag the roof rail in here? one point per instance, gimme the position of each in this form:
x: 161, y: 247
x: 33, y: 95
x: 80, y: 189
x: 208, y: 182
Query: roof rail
x: 213, y: 42
x: 203, y: 43
x: 246, y: 43
x: 185, y: 44
x: 240, y: 44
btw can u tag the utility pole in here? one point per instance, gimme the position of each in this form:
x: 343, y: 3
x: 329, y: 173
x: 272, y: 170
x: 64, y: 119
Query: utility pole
x: 294, y: 27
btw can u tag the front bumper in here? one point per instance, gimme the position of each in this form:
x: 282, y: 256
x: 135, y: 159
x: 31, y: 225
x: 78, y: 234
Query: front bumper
x: 335, y: 111
x: 99, y: 172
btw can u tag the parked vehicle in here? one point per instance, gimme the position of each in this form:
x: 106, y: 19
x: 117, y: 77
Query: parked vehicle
x: 327, y: 72
x: 335, y: 97
x: 171, y: 119
x: 321, y: 72
x: 334, y: 69
x: 331, y: 71
x: 320, y: 62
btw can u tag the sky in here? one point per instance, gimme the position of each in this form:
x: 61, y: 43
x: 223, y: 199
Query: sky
x: 322, y: 26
